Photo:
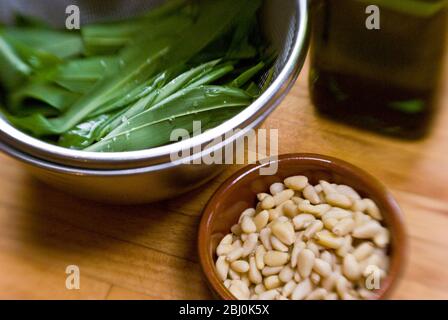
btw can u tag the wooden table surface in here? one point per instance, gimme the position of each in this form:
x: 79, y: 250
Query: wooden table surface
x: 149, y: 252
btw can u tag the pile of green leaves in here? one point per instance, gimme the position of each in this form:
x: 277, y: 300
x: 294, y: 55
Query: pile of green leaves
x: 125, y: 85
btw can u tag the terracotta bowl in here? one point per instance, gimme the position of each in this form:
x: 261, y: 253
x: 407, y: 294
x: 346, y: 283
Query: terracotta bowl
x: 239, y: 191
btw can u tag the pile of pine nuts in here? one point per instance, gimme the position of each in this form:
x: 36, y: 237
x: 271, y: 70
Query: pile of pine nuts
x: 305, y: 242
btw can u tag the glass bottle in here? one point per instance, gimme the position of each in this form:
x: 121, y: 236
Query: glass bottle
x: 377, y: 63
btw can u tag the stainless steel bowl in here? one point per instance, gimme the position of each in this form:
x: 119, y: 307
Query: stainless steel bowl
x: 149, y: 175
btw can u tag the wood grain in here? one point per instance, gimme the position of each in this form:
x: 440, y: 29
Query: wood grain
x: 149, y: 252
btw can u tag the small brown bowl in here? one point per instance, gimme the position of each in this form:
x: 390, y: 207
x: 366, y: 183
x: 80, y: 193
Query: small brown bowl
x: 239, y: 192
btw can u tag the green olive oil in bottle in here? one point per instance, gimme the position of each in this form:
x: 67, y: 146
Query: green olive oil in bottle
x: 377, y: 63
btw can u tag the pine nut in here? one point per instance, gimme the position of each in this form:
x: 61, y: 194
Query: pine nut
x: 362, y: 251
x: 317, y: 210
x: 337, y: 213
x: 328, y: 240
x: 245, y: 279
x: 248, y: 225
x: 364, y: 265
x: 269, y: 271
x: 330, y: 223
x: 278, y: 245
x: 329, y: 282
x: 318, y: 294
x: 281, y: 219
x: 298, y: 246
x: 240, y: 266
x: 276, y: 258
x: 288, y: 288
x: 344, y: 227
x: 305, y: 263
x: 337, y: 267
x: 297, y: 183
x: 314, y: 227
x: 234, y: 275
x: 303, y: 289
x: 348, y: 296
x: 382, y: 238
x: 322, y: 267
x: 359, y: 205
x: 274, y: 214
x: 276, y: 188
x: 346, y: 246
x: 366, y: 294
x: 311, y: 245
x: 259, y: 288
x: 235, y: 254
x: 373, y: 269
x: 268, y: 295
x: 342, y: 286
x: 311, y: 195
x: 372, y: 209
x: 290, y: 209
x: 259, y: 257
x: 222, y: 268
x: 272, y: 282
x: 348, y: 191
x: 281, y: 297
x: 237, y: 244
x: 228, y: 239
x: 360, y: 218
x: 379, y: 260
x: 339, y: 200
x: 284, y: 231
x: 367, y: 230
x: 239, y: 290
x: 283, y: 196
x: 286, y: 274
x: 331, y: 296
x: 265, y: 238
x: 327, y: 188
x: 302, y: 221
x: 297, y: 277
x: 268, y: 203
x: 261, y: 220
x: 297, y: 200
x: 254, y: 274
x: 262, y: 196
x: 326, y: 256
x: 350, y: 268
x: 223, y: 249
x: 246, y: 213
x: 250, y: 244
x: 227, y: 283
x: 315, y: 278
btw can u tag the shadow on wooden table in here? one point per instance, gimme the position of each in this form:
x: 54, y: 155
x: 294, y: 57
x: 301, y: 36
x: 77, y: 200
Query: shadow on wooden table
x: 143, y: 248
